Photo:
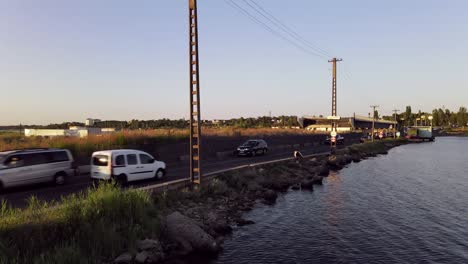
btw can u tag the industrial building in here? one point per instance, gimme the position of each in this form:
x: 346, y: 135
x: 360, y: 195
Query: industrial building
x: 345, y: 124
x: 91, y: 121
x: 73, y: 131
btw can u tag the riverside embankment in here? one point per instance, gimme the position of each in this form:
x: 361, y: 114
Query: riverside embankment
x: 107, y: 224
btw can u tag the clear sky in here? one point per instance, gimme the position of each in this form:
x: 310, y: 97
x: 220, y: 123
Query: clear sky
x: 63, y: 60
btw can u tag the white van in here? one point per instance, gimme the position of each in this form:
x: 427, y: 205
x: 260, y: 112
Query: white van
x: 125, y: 165
x: 30, y: 166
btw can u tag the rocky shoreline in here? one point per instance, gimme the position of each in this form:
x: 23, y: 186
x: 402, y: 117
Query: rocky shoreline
x: 194, y: 223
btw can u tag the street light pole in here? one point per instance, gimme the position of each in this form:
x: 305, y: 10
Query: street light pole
x: 195, y: 117
x: 373, y: 120
x: 334, y: 102
x: 334, y: 95
x: 395, y: 111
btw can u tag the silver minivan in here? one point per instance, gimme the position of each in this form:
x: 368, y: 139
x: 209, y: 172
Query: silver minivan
x: 30, y: 166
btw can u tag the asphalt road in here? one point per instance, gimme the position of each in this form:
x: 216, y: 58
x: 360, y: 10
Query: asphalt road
x: 17, y: 197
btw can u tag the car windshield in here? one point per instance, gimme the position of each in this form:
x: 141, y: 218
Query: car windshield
x: 249, y: 143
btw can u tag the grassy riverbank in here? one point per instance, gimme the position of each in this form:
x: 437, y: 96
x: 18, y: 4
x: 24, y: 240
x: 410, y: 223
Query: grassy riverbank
x: 98, y: 225
x: 461, y: 131
x: 79, y: 229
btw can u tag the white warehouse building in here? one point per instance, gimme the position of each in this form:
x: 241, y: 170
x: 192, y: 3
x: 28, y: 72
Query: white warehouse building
x: 72, y: 132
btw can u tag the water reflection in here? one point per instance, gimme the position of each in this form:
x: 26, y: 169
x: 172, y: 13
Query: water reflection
x: 333, y: 200
x: 406, y: 207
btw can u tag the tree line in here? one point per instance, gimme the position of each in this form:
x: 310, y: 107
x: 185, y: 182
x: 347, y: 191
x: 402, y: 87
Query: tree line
x: 250, y: 122
x: 440, y: 117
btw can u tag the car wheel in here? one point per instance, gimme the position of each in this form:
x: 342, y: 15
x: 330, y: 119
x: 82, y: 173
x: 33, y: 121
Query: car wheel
x: 95, y: 182
x: 159, y: 174
x: 122, y: 180
x: 254, y: 152
x: 60, y: 178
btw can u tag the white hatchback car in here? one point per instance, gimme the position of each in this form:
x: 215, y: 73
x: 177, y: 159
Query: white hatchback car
x: 125, y: 165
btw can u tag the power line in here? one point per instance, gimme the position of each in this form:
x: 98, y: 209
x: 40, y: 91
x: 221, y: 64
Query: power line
x: 268, y: 28
x: 264, y: 25
x: 278, y: 28
x: 274, y: 24
x: 268, y: 15
x: 346, y: 74
x: 282, y: 27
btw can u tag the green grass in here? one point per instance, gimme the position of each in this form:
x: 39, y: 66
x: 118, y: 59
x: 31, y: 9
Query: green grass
x: 99, y: 224
x: 457, y: 131
x: 375, y: 147
x: 103, y: 221
x: 93, y: 226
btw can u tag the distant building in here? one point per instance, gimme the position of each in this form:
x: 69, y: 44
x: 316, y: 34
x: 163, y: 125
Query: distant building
x: 355, y: 123
x: 90, y: 122
x: 45, y: 132
x: 219, y: 121
x: 74, y: 131
x: 108, y: 130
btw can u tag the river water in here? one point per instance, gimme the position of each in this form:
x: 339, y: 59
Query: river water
x: 410, y: 206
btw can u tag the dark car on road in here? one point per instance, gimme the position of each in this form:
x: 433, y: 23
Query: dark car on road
x: 252, y: 147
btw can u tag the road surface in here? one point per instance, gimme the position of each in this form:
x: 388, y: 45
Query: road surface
x: 17, y: 197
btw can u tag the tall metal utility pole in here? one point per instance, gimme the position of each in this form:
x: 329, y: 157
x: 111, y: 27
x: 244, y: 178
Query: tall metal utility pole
x: 334, y: 61
x: 195, y: 119
x: 395, y: 112
x: 373, y: 120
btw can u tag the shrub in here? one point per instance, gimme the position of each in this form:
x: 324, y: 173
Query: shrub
x: 216, y: 187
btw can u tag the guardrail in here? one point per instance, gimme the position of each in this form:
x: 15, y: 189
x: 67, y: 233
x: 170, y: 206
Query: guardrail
x: 184, y: 183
